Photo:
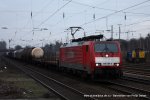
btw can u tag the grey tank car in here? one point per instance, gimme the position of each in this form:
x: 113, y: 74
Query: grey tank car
x: 29, y: 53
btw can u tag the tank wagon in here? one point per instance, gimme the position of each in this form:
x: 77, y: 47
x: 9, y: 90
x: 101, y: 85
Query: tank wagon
x: 37, y: 53
x: 17, y: 54
x: 29, y: 54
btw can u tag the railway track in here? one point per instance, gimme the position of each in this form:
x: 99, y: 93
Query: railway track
x: 130, y: 82
x: 138, y: 65
x: 129, y: 88
x: 128, y: 92
x: 64, y: 91
x: 89, y: 88
x: 120, y: 88
x: 136, y: 78
x: 140, y: 69
x: 138, y: 72
x: 89, y: 91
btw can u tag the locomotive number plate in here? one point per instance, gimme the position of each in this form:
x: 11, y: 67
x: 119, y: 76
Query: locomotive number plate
x: 107, y: 64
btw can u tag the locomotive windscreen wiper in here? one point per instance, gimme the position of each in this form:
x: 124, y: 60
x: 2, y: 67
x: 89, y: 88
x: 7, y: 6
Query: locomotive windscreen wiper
x: 106, y: 49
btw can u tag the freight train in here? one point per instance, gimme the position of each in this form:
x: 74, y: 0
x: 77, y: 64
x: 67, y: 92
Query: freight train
x: 136, y: 56
x: 87, y: 56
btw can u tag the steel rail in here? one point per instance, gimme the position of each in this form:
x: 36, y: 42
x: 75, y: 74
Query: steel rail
x: 57, y: 82
x: 129, y: 87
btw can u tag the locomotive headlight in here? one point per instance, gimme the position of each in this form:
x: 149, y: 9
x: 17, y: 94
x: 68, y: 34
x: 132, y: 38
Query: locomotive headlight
x: 117, y: 64
x: 106, y: 55
x: 97, y: 64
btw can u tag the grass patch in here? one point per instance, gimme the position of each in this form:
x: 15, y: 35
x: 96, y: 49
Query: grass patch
x: 15, y: 84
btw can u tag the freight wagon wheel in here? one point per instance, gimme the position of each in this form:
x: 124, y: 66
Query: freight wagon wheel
x: 84, y: 75
x: 92, y: 76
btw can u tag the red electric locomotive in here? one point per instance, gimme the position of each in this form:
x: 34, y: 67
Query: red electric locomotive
x: 93, y: 57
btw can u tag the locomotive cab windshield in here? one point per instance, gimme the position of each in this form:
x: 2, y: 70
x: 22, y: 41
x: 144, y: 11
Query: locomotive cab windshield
x: 107, y: 54
x: 106, y: 47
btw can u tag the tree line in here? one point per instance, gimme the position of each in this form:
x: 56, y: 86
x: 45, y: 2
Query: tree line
x: 143, y: 43
x: 3, y: 45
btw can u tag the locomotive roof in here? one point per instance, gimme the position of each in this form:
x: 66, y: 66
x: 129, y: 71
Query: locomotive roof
x: 88, y: 38
x: 72, y: 44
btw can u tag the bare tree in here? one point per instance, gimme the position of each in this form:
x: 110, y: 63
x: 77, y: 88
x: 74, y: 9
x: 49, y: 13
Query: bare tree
x: 3, y: 45
x: 17, y: 47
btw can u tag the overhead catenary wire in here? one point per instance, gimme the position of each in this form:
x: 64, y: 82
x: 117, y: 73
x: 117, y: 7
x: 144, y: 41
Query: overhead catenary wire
x: 54, y: 13
x: 116, y: 12
x: 43, y: 8
x: 120, y: 11
x: 75, y: 2
x: 103, y: 9
x: 112, y: 10
x: 115, y: 31
x: 91, y: 6
x: 98, y: 8
x: 30, y: 19
x: 137, y: 22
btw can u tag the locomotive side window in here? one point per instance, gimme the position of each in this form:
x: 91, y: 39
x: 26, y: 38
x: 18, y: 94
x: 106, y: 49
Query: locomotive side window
x: 87, y: 48
x: 106, y: 47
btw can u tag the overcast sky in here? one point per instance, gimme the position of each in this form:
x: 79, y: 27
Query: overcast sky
x: 37, y: 22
